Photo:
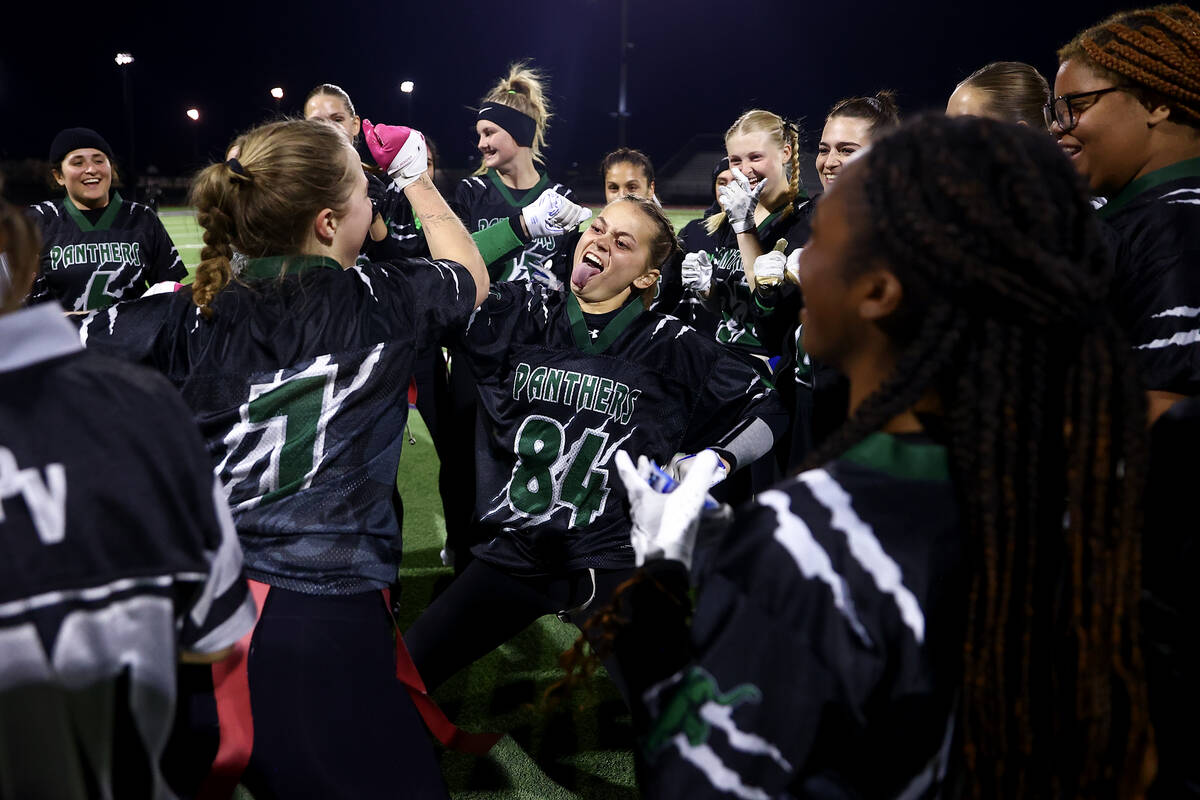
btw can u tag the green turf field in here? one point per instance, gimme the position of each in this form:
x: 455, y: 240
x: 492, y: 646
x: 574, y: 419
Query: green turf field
x: 181, y: 224
x: 579, y: 749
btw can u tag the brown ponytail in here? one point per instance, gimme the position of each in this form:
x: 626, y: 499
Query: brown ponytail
x: 263, y: 200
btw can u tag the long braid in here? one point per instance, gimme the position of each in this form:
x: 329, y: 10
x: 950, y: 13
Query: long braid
x: 210, y: 193
x: 989, y: 227
x: 264, y: 200
x: 1156, y: 49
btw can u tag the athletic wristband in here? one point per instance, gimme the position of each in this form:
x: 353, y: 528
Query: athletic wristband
x: 497, y: 240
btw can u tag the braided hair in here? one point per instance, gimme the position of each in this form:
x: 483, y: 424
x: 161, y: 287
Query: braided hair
x: 1154, y: 50
x: 263, y: 200
x: 782, y: 133
x: 989, y: 231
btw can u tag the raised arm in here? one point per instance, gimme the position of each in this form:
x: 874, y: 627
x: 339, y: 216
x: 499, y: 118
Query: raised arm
x: 445, y: 234
x: 401, y: 151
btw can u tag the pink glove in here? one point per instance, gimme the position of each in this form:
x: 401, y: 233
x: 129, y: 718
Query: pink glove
x: 397, y: 149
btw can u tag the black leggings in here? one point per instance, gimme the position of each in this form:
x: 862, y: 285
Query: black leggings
x: 330, y: 718
x: 485, y: 607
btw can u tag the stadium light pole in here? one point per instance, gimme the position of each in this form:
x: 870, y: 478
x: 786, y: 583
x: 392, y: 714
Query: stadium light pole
x: 194, y: 115
x: 277, y: 93
x: 406, y: 89
x: 622, y: 93
x: 123, y: 60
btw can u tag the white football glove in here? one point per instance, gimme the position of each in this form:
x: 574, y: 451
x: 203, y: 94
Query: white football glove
x: 696, y: 272
x: 769, y: 268
x: 793, y: 265
x: 543, y: 276
x: 665, y: 525
x: 683, y: 463
x: 553, y: 215
x: 739, y: 201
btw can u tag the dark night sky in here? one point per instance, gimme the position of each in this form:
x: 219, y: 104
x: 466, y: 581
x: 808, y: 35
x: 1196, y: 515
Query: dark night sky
x: 694, y: 67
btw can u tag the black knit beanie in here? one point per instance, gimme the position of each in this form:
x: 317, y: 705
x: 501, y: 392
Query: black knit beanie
x: 73, y: 139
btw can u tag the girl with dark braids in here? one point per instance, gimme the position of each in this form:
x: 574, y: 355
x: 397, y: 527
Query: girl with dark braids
x: 945, y: 602
x: 1127, y: 112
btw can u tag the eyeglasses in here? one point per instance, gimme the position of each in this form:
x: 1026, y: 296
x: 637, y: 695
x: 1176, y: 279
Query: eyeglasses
x: 1062, y: 109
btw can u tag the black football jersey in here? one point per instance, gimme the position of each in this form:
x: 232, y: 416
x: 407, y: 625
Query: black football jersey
x: 731, y: 296
x: 88, y: 264
x: 119, y: 551
x: 1156, y: 289
x: 404, y: 227
x: 300, y: 387
x: 824, y: 648
x: 561, y: 391
x: 483, y: 200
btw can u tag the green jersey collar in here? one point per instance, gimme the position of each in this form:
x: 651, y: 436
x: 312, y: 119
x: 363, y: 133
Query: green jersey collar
x: 530, y: 194
x: 1180, y: 169
x: 106, y: 219
x: 618, y: 324
x: 274, y: 266
x: 768, y: 221
x: 901, y: 458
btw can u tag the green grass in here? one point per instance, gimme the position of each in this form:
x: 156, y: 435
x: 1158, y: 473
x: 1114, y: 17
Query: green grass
x: 579, y: 749
x: 181, y: 224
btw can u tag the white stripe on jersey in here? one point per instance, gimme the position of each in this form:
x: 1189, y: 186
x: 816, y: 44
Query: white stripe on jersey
x: 362, y: 275
x: 1192, y: 190
x: 92, y: 594
x: 865, y: 548
x: 721, y: 716
x: 796, y: 537
x: 1193, y: 200
x: 1178, y: 311
x: 720, y: 776
x: 1179, y: 339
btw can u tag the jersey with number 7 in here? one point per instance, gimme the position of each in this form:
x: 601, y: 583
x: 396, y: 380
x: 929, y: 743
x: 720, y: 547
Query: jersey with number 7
x: 561, y: 391
x: 299, y: 385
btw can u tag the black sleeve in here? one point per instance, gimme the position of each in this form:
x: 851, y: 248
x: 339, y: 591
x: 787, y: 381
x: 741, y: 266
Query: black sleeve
x: 738, y: 414
x: 771, y: 663
x: 1159, y: 307
x: 130, y: 330
x: 437, y: 296
x: 776, y: 313
x: 165, y: 263
x: 506, y: 316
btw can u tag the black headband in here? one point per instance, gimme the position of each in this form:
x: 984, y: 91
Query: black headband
x: 521, y: 127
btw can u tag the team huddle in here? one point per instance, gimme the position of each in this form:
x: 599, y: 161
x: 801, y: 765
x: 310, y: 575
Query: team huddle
x: 876, y: 494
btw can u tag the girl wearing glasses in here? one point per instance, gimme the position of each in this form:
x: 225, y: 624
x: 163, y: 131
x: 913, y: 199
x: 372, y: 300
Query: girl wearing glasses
x: 1127, y: 114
